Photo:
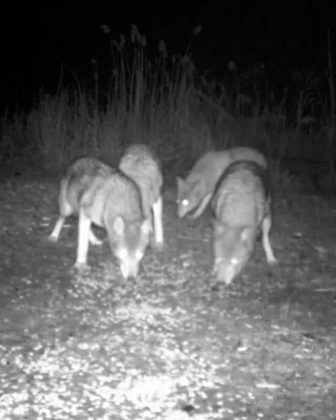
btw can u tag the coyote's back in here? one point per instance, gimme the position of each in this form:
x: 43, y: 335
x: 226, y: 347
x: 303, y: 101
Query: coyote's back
x: 241, y: 204
x: 78, y: 178
x: 141, y: 164
x: 195, y: 192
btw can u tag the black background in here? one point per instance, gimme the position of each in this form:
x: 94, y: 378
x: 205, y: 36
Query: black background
x: 38, y: 41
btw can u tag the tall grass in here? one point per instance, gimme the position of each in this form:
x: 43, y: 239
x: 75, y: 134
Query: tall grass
x: 165, y: 102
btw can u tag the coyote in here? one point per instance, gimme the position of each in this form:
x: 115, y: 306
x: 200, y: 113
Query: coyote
x: 141, y: 164
x: 107, y: 198
x: 241, y: 204
x: 195, y: 192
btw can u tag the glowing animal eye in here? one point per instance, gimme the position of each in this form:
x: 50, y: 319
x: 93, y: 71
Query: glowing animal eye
x: 185, y: 202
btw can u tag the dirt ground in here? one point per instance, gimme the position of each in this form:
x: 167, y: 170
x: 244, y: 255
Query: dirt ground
x: 167, y: 346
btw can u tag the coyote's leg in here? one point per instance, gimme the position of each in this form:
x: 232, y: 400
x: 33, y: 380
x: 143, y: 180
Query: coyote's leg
x: 84, y: 224
x: 266, y: 226
x: 53, y: 237
x: 93, y: 239
x: 158, y: 224
x: 65, y: 210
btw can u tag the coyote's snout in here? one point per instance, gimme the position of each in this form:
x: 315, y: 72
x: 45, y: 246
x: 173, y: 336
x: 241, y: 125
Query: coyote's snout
x: 107, y: 198
x: 128, y: 241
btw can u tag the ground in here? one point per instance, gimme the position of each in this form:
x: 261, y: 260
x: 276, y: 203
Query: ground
x: 166, y: 346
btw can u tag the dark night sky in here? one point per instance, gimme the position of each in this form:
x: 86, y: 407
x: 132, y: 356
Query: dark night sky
x: 285, y: 34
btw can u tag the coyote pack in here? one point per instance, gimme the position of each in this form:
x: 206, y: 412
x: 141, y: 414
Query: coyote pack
x: 127, y: 203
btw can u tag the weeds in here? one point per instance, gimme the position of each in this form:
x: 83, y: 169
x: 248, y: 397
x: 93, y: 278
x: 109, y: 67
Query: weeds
x: 163, y: 101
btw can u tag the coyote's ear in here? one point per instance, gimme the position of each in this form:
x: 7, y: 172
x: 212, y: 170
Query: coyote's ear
x: 119, y: 225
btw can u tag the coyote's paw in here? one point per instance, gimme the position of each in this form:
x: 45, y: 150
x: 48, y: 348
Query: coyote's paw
x: 272, y: 262
x: 95, y: 241
x: 157, y: 246
x: 52, y: 239
x: 80, y: 266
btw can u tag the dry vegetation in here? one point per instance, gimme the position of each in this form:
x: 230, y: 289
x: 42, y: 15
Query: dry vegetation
x: 165, y: 102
